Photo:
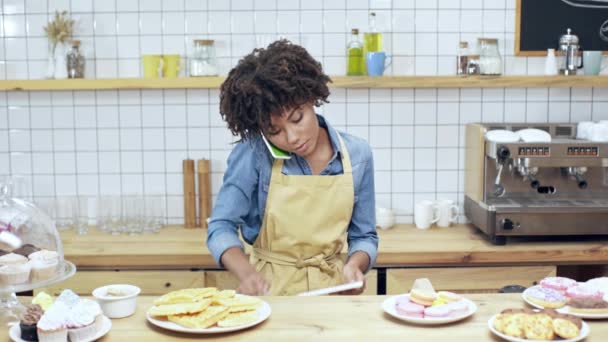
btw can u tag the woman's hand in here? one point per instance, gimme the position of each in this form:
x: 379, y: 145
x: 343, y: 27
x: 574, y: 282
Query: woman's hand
x: 351, y: 274
x: 253, y: 284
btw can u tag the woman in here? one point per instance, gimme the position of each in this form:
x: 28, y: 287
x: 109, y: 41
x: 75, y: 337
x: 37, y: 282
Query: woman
x: 296, y: 213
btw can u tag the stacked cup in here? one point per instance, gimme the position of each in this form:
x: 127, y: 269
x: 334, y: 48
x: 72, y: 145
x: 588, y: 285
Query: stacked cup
x: 443, y: 212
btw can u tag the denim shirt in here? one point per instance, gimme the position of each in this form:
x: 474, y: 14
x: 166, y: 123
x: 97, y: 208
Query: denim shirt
x: 241, y: 201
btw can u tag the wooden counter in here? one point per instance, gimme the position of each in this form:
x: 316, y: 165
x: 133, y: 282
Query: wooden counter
x: 403, y: 245
x: 342, y: 318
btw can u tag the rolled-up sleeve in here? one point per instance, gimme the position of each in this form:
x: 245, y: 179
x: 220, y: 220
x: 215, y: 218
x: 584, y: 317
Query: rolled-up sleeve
x: 362, y: 234
x: 233, y: 201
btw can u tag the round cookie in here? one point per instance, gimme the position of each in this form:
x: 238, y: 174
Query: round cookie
x: 546, y: 297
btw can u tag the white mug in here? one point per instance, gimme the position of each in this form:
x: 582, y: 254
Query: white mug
x: 385, y: 218
x: 447, y: 212
x: 425, y: 214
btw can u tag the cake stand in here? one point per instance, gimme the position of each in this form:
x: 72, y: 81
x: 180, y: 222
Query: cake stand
x: 11, y: 309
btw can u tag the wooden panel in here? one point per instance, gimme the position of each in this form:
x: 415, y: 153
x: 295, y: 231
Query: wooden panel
x: 150, y: 282
x: 474, y: 161
x: 338, y: 82
x: 226, y: 280
x: 466, y: 279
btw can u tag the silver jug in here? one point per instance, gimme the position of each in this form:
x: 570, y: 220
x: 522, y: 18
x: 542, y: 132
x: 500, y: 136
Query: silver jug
x: 568, y: 54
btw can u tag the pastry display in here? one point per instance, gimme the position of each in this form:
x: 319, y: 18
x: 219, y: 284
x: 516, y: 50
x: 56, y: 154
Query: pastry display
x: 538, y: 325
x: 201, y: 308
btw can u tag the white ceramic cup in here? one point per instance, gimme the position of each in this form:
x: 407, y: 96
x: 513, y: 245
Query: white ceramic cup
x: 385, y: 218
x: 447, y: 212
x: 425, y: 214
x: 583, y: 130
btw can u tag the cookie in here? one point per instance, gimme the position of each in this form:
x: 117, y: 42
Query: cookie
x: 179, y: 308
x: 567, y: 326
x: 186, y: 295
x: 238, y: 318
x: 538, y: 326
x: 201, y: 320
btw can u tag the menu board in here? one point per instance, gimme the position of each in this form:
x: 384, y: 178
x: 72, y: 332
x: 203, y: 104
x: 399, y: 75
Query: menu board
x: 540, y: 23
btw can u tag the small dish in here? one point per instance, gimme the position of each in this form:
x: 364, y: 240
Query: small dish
x: 117, y: 300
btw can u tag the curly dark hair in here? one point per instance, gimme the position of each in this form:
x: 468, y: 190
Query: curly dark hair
x: 267, y: 82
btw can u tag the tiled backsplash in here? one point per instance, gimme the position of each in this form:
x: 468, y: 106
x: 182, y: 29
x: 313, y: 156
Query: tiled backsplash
x: 133, y: 141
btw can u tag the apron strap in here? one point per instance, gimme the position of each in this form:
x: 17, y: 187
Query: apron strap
x: 320, y: 260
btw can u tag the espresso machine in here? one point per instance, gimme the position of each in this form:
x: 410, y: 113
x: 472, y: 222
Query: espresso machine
x: 551, y: 188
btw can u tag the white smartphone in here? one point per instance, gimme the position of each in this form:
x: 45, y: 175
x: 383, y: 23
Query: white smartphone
x: 275, y: 151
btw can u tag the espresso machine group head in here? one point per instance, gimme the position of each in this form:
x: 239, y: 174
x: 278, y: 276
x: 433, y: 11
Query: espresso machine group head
x: 517, y: 188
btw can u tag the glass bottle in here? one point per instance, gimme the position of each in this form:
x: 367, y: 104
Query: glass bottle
x: 75, y: 61
x: 354, y: 55
x: 202, y: 62
x: 373, y: 38
x: 462, y: 59
x: 490, y: 62
x: 473, y: 65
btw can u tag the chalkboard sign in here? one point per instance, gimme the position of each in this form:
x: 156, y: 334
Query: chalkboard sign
x: 540, y: 23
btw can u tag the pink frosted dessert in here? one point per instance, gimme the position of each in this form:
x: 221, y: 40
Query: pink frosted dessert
x: 582, y: 290
x: 557, y: 283
x: 439, y: 311
x: 409, y: 309
x: 458, y: 308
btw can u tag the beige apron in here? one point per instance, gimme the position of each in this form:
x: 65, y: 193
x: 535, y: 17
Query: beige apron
x: 304, y: 229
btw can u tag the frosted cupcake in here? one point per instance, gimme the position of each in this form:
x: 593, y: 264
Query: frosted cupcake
x: 93, y: 307
x: 80, y: 323
x: 44, y: 255
x: 29, y: 322
x: 14, y: 274
x: 12, y: 259
x: 51, y: 326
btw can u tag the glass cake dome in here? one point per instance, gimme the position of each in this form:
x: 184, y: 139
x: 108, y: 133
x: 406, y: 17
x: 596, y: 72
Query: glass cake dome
x: 31, y: 252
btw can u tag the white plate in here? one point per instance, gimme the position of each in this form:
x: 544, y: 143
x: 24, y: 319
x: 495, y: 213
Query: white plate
x: 502, y: 136
x: 15, y: 331
x: 564, y: 309
x: 583, y: 333
x: 388, y: 305
x: 263, y: 312
x: 534, y: 135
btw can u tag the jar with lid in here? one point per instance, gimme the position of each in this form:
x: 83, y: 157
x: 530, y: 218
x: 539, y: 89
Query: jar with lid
x: 202, y: 62
x: 462, y: 58
x: 75, y: 61
x: 490, y: 62
x: 473, y: 65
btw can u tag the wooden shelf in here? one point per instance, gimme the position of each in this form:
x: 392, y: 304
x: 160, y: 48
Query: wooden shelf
x: 338, y: 82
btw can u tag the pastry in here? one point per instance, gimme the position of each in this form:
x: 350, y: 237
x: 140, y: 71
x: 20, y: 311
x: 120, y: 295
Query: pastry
x: 51, y: 326
x: 546, y: 297
x: 241, y: 303
x: 29, y: 322
x: 458, y: 308
x: 588, y: 305
x: 238, y: 318
x: 14, y: 274
x: 179, y: 308
x: 567, y: 326
x: 422, y: 297
x: 26, y: 250
x: 80, y: 323
x: 186, y: 295
x: 538, y: 326
x: 582, y: 290
x: 12, y: 259
x: 448, y: 297
x: 43, y: 269
x: 43, y: 299
x: 441, y: 311
x: 557, y: 283
x: 410, y: 309
x: 203, y: 319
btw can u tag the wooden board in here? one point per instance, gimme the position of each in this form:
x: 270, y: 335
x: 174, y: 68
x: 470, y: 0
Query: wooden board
x: 466, y: 279
x: 540, y: 23
x: 150, y: 282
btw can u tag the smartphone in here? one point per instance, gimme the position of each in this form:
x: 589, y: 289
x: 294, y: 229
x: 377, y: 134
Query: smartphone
x: 276, y: 152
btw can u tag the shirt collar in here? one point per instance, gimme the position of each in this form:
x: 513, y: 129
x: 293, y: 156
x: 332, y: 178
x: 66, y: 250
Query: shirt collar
x: 333, y: 136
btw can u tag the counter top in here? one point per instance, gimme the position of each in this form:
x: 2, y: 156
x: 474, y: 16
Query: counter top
x: 343, y: 318
x: 403, y: 245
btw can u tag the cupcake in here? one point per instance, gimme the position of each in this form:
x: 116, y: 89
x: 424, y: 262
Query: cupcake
x: 14, y: 274
x: 51, y: 326
x: 69, y: 298
x: 43, y: 269
x: 12, y: 258
x: 80, y: 323
x: 44, y: 300
x: 44, y: 255
x: 26, y: 250
x: 29, y: 322
x: 94, y: 308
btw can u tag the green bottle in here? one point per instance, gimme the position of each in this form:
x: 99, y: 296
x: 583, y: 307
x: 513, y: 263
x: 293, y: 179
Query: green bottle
x: 354, y: 54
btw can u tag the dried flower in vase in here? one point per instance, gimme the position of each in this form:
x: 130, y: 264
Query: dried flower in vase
x: 60, y: 30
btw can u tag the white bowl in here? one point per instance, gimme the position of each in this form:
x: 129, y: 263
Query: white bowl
x: 117, y: 306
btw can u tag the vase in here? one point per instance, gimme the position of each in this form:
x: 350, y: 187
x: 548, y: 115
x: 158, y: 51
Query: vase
x: 50, y: 64
x: 61, y: 68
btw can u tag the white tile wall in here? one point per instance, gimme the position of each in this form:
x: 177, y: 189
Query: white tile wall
x: 113, y: 142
